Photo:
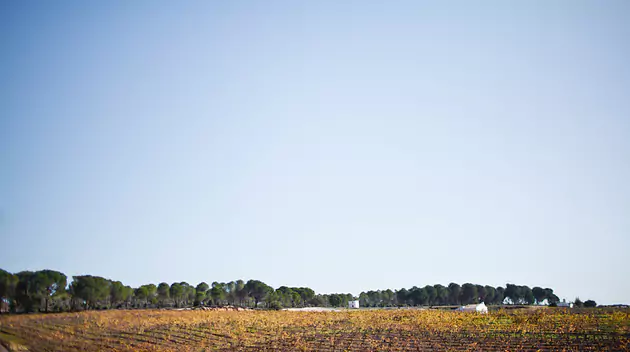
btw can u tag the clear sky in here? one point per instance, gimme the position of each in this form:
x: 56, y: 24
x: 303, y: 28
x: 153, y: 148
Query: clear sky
x: 340, y: 145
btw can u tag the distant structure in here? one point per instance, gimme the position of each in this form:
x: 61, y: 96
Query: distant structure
x: 565, y: 304
x: 479, y: 308
x: 353, y: 304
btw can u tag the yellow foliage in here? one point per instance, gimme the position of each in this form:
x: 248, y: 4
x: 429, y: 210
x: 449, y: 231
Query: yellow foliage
x: 363, y: 330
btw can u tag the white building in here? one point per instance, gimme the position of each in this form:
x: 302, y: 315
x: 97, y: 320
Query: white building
x: 565, y: 304
x: 479, y: 308
x: 353, y: 304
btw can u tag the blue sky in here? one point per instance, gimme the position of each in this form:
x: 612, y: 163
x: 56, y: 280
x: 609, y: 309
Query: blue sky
x: 344, y: 146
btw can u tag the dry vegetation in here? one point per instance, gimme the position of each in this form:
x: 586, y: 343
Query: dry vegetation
x: 398, y: 330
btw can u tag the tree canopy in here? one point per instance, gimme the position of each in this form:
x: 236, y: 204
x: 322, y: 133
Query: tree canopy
x: 48, y: 290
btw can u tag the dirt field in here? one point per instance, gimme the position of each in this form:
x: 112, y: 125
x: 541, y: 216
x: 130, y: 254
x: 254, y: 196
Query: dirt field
x: 387, y: 330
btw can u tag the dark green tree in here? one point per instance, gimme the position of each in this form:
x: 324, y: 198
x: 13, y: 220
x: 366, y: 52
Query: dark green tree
x: 8, y: 285
x: 163, y: 293
x: 441, y: 294
x: 230, y: 289
x: 52, y: 284
x: 257, y: 290
x: 490, y: 294
x: 469, y: 293
x: 431, y: 294
x: 539, y: 294
x: 217, y: 293
x: 513, y: 293
x: 418, y: 296
x: 528, y: 295
x: 90, y: 290
x: 335, y: 300
x: 551, y: 297
x: 200, y: 293
x: 499, y: 295
x: 35, y: 288
x: 118, y: 293
x: 176, y: 292
x: 240, y: 291
x: 481, y: 293
x: 402, y: 297
x: 454, y: 293
x: 306, y: 294
x: 147, y: 293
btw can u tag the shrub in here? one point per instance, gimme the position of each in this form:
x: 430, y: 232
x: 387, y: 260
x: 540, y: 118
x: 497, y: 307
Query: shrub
x: 275, y: 305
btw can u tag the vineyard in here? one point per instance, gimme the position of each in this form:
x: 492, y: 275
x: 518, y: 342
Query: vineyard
x: 378, y: 330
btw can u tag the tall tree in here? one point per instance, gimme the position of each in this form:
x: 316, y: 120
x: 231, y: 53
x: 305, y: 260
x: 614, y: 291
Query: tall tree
x: 551, y: 297
x: 90, y: 289
x: 230, y: 289
x: 163, y: 293
x: 469, y: 293
x: 455, y: 291
x: 539, y: 294
x: 306, y: 294
x: 431, y: 294
x: 296, y: 299
x: 490, y: 294
x: 388, y: 297
x: 217, y: 293
x: 34, y: 287
x: 25, y: 292
x: 285, y: 295
x: 128, y: 294
x: 51, y: 283
x: 118, y: 293
x: 200, y: 293
x: 257, y: 290
x: 8, y: 285
x: 141, y: 294
x: 241, y: 292
x: 402, y: 296
x: 148, y: 293
x: 481, y: 293
x: 513, y: 293
x: 177, y: 292
x: 499, y: 295
x: 527, y: 295
x: 418, y: 296
x: 441, y: 294
x: 335, y: 300
x: 189, y: 292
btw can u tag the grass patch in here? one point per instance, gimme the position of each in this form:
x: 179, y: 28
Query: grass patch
x: 12, y: 343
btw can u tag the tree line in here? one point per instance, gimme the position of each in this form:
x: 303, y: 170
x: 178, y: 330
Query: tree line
x: 49, y: 290
x: 454, y: 294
